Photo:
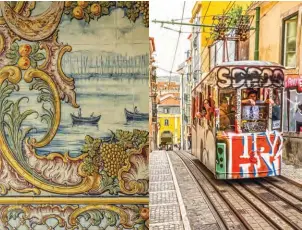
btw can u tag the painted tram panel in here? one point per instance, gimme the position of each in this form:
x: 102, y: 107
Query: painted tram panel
x: 236, y: 120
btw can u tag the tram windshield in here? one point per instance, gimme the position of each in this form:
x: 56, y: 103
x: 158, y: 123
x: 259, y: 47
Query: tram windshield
x: 254, y: 109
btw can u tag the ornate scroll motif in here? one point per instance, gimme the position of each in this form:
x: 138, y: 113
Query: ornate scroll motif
x: 34, y: 28
x: 134, y: 177
x: 28, y: 77
x: 52, y: 66
x: 23, y: 8
x: 40, y: 64
x: 75, y: 217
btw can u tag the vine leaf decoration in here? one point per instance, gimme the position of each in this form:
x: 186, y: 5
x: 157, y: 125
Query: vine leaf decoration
x: 97, y: 217
x: 25, y: 55
x: 92, y: 160
x: 109, y: 184
x: 109, y: 156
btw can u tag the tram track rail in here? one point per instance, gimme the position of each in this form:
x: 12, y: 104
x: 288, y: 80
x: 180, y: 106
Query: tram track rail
x: 272, y: 210
x: 224, y: 210
x: 291, y: 187
x: 233, y: 207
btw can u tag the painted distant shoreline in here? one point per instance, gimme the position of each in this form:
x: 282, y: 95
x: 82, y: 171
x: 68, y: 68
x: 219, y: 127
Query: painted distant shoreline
x: 109, y: 75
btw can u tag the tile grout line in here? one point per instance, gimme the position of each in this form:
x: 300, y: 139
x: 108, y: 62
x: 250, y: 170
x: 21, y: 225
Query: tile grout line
x: 183, y: 212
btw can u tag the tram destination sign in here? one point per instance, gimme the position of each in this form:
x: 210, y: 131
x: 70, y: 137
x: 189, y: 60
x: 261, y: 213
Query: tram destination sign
x: 249, y: 77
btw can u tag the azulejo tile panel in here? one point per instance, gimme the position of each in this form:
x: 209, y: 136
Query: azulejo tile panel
x: 74, y: 115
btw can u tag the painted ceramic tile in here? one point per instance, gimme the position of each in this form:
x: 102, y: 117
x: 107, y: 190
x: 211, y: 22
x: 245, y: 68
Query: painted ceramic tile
x: 73, y: 104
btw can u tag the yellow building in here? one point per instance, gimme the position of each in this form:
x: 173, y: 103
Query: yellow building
x: 280, y: 41
x: 203, y: 39
x: 168, y: 116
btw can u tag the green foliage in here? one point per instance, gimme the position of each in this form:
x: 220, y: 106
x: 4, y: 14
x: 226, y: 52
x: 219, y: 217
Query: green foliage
x: 235, y: 13
x: 11, y: 118
x: 45, y: 97
x: 88, y: 12
x: 34, y: 57
x: 107, y: 158
x: 135, y: 139
x: 92, y: 161
x: 109, y: 184
x: 96, y: 217
x: 13, y: 123
x: 13, y: 54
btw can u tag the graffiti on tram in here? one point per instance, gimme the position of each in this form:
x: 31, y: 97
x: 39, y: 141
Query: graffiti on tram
x: 249, y: 155
x: 249, y: 77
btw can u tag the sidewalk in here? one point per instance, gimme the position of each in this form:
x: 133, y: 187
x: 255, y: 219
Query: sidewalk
x: 164, y: 205
x: 176, y: 202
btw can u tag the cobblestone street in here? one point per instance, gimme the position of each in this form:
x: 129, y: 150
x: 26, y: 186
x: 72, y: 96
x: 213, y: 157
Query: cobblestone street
x: 177, y: 200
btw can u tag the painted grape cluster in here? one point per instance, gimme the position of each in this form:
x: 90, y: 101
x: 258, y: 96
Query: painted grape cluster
x: 114, y: 157
x: 111, y: 155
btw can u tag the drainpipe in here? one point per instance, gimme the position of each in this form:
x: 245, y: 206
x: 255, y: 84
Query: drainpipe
x: 256, y: 53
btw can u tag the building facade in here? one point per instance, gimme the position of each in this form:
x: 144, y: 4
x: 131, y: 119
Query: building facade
x: 212, y: 50
x: 152, y: 97
x: 281, y: 43
x: 186, y: 82
x: 169, y: 120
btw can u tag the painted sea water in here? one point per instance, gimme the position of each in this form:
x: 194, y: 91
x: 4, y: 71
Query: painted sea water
x: 100, y: 95
x: 109, y: 62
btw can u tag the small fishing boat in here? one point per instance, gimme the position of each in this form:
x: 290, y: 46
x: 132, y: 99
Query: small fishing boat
x: 130, y: 116
x: 85, y: 120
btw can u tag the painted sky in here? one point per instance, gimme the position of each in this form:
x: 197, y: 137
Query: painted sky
x: 113, y: 33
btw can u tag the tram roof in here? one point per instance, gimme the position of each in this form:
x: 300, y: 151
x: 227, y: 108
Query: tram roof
x: 249, y: 63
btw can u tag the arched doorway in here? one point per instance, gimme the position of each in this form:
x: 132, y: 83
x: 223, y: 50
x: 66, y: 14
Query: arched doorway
x: 166, y: 140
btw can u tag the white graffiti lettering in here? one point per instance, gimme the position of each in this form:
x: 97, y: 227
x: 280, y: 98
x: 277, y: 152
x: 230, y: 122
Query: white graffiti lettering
x: 249, y: 77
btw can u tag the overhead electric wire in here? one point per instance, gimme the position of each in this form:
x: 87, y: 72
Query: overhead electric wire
x: 205, y: 47
x: 183, y: 11
x: 182, y: 32
x: 168, y: 71
x: 227, y: 10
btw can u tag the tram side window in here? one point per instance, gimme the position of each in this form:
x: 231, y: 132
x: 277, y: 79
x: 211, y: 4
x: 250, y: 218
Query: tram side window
x: 254, y: 110
x: 276, y: 109
x: 227, y: 110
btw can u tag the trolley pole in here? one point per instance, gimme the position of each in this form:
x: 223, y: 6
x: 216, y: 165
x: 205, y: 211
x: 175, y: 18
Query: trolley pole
x: 256, y: 53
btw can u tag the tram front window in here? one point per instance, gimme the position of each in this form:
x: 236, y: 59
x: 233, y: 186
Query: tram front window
x: 255, y: 110
x: 227, y: 110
